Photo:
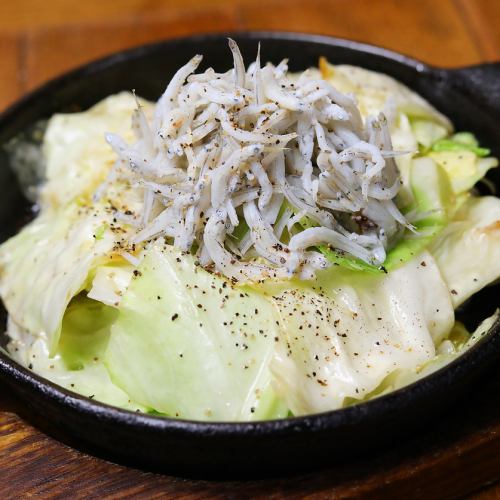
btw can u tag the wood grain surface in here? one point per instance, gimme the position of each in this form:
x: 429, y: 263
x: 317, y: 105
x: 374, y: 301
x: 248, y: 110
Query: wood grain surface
x: 458, y: 456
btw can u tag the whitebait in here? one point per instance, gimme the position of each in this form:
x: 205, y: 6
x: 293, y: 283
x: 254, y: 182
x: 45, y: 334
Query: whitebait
x: 264, y: 150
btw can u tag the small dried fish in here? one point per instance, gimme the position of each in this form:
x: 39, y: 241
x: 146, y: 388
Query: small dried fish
x: 265, y: 149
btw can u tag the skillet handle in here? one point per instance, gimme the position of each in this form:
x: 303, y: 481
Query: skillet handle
x: 482, y: 82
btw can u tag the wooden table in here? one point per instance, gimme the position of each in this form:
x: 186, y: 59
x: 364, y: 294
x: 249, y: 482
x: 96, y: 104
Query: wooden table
x: 41, y: 38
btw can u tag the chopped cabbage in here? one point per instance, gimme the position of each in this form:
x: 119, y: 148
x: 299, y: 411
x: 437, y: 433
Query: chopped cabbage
x: 468, y: 250
x: 147, y: 329
x: 464, y: 168
x: 348, y: 333
x: 77, y: 365
x: 463, y: 141
x: 433, y: 202
x: 78, y: 159
x: 427, y: 132
x: 189, y: 344
x: 85, y: 332
x: 56, y: 254
x: 45, y: 265
x: 110, y: 283
x: 446, y: 352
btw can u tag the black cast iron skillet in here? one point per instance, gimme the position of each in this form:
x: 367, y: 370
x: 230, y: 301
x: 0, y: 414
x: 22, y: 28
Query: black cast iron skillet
x: 469, y: 96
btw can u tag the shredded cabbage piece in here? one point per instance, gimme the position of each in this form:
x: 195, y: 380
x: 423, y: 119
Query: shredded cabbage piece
x: 254, y: 174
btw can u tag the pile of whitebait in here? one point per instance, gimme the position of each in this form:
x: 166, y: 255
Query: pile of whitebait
x: 286, y: 158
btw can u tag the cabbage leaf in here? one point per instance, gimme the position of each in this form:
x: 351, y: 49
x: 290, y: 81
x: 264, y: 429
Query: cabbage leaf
x: 345, y: 334
x: 189, y: 344
x: 46, y: 264
x: 77, y: 365
x: 78, y: 157
x: 468, y: 250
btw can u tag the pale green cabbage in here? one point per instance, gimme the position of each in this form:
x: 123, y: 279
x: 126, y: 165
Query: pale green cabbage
x: 170, y: 338
x: 189, y: 344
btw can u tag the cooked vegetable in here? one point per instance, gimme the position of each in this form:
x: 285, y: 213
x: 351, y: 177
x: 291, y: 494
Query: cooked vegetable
x: 343, y: 341
x: 465, y: 168
x: 47, y: 264
x: 468, y: 250
x: 190, y: 344
x: 258, y: 244
x: 460, y: 142
x: 78, y: 365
